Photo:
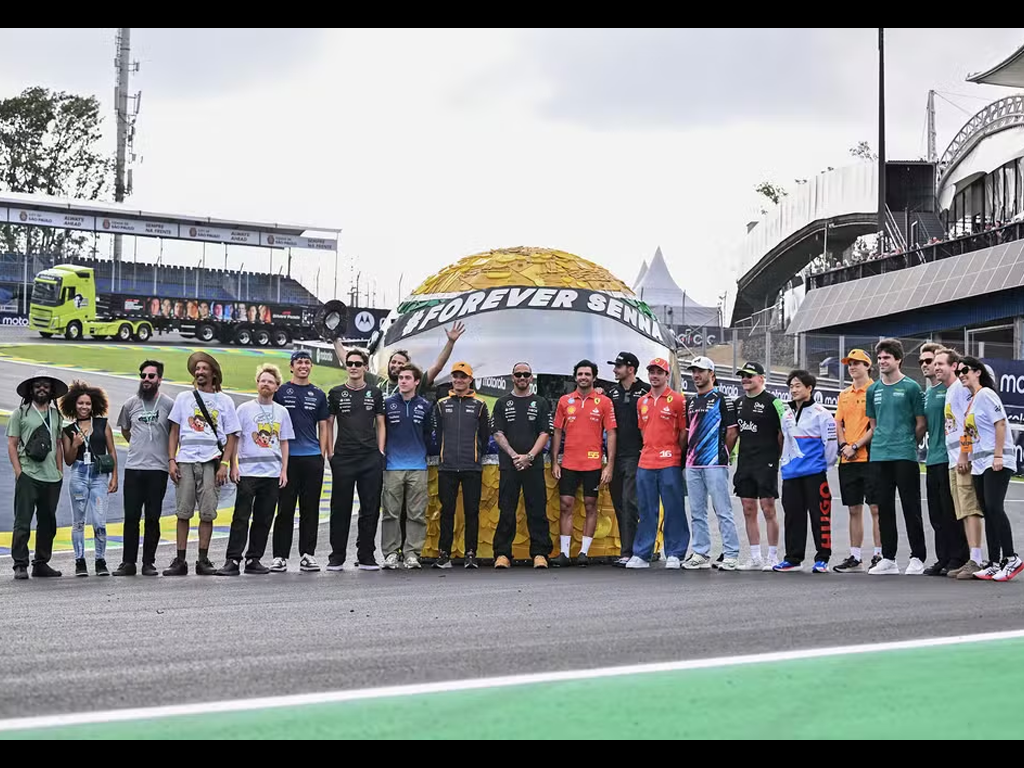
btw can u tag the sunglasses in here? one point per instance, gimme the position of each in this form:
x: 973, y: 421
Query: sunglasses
x: 522, y: 374
x: 746, y: 375
x: 354, y: 363
x: 148, y: 376
x: 963, y: 371
x: 927, y: 360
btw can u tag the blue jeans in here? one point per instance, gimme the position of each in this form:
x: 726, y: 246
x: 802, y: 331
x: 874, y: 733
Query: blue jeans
x: 88, y: 489
x: 668, y: 487
x: 700, y: 482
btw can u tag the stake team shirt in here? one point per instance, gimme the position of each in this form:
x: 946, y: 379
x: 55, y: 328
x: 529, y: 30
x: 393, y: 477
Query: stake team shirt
x: 760, y: 422
x: 584, y: 421
x: 356, y: 412
x: 662, y: 420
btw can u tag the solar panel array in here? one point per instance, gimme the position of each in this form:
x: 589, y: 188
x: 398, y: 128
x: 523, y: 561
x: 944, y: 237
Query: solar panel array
x: 978, y: 273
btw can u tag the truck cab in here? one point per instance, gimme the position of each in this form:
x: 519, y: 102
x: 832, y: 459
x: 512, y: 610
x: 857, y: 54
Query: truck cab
x: 63, y: 301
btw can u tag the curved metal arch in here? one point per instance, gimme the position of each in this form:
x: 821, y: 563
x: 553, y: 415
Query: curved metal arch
x: 1006, y: 113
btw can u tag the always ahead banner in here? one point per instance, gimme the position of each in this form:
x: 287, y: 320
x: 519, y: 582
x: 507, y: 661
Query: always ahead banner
x: 438, y: 311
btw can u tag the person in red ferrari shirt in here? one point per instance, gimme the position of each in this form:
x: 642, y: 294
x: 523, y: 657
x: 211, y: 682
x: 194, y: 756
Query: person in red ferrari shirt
x: 581, y: 419
x: 659, y: 477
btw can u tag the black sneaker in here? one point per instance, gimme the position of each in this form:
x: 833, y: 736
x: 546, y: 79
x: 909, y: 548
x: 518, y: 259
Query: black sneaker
x: 148, y: 569
x: 178, y: 567
x: 101, y: 568
x: 875, y: 560
x: 44, y: 571
x: 469, y: 561
x: 205, y: 568
x: 582, y: 561
x: 562, y: 561
x: 368, y: 565
x: 20, y: 573
x: 444, y: 560
x: 934, y: 570
x: 253, y: 565
x: 230, y: 569
x: 850, y: 565
x: 80, y: 569
x: 126, y: 569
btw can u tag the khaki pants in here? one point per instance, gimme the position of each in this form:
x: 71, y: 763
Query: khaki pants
x: 965, y: 498
x: 198, y: 483
x: 404, y: 488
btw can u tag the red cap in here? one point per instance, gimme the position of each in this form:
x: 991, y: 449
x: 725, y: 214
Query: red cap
x: 659, y: 362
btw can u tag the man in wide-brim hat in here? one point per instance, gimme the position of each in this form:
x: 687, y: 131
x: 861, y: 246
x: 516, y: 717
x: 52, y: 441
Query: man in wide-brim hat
x: 197, y: 357
x: 36, y: 459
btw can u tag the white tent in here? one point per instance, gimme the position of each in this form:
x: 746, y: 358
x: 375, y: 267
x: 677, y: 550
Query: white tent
x: 656, y: 287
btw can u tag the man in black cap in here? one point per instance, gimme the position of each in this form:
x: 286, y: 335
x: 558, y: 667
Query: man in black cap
x: 759, y: 416
x: 624, y: 394
x: 34, y: 447
x: 307, y: 406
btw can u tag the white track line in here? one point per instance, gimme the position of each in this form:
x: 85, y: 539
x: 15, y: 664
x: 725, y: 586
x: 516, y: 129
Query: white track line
x: 333, y: 697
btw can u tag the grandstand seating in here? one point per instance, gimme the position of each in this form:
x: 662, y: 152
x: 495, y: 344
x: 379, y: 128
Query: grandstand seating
x: 170, y: 280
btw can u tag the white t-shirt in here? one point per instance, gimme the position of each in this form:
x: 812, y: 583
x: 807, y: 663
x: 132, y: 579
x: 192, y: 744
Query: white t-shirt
x: 980, y: 426
x: 259, y: 446
x: 958, y: 397
x: 196, y: 441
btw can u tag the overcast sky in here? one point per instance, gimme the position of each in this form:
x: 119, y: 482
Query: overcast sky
x: 426, y: 146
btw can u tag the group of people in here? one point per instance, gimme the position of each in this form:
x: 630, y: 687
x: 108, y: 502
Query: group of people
x: 652, y: 446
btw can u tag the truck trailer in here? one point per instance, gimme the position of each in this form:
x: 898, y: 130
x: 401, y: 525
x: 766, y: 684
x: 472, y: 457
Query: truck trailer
x: 65, y: 303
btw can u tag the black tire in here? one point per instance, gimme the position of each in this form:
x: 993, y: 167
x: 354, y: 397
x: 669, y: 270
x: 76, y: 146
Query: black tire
x: 46, y: 335
x: 280, y: 338
x: 124, y: 332
x: 145, y: 333
x: 243, y: 337
x: 74, y: 331
x: 206, y: 333
x: 261, y: 338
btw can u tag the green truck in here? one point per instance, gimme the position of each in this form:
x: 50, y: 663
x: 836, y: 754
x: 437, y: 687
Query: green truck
x: 65, y: 303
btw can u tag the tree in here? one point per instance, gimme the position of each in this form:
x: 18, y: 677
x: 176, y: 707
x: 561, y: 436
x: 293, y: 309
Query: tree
x: 773, y: 192
x: 49, y: 146
x: 863, y: 151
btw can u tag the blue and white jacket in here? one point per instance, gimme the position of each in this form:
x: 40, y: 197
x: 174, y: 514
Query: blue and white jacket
x: 810, y: 443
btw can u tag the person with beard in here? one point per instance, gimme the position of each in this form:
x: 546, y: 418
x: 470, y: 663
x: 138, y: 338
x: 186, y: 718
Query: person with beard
x: 201, y: 444
x: 144, y: 422
x: 400, y: 357
x: 36, y: 455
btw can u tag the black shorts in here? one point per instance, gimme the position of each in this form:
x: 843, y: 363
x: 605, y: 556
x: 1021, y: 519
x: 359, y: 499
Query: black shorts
x: 572, y: 479
x: 757, y: 482
x: 857, y: 483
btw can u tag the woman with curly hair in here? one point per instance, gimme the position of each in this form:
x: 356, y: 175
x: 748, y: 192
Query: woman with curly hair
x: 89, y: 451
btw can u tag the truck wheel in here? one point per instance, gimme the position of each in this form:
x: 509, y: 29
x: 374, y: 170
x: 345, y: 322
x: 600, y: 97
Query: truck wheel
x: 144, y: 333
x: 74, y: 331
x: 262, y: 338
x: 205, y: 333
x: 280, y: 338
x: 46, y: 335
x: 243, y: 337
x: 124, y: 333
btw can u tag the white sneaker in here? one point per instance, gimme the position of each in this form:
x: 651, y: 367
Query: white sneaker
x: 751, y: 565
x: 672, y: 563
x: 391, y: 562
x: 914, y: 568
x: 1013, y: 566
x: 280, y: 565
x: 770, y: 563
x: 308, y: 564
x: 698, y: 563
x: 412, y: 562
x: 885, y: 568
x: 336, y: 567
x: 728, y: 564
x: 636, y: 562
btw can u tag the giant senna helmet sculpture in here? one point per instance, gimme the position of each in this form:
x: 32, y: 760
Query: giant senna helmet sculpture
x: 547, y: 307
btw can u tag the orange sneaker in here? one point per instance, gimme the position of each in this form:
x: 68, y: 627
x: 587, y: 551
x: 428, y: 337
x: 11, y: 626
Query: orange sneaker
x: 502, y: 562
x: 540, y: 562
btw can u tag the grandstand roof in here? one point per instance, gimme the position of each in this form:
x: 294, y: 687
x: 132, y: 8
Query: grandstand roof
x: 1009, y: 72
x: 988, y: 271
x: 89, y: 214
